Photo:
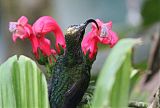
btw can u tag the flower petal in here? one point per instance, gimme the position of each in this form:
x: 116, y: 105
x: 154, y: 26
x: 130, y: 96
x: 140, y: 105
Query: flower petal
x: 89, y: 43
x: 23, y: 20
x: 35, y: 45
x: 114, y: 38
x: 14, y: 37
x: 47, y: 24
x: 109, y: 25
x: 44, y: 45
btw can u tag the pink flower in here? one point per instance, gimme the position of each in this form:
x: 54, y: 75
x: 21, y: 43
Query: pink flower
x: 47, y: 24
x: 104, y: 35
x: 21, y: 29
x: 89, y: 43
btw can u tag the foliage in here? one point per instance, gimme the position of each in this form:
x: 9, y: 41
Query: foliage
x: 22, y: 84
x: 112, y: 88
x: 150, y: 12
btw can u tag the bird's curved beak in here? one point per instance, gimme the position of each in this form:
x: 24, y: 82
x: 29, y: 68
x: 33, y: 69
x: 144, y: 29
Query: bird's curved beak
x: 84, y: 25
x: 90, y: 21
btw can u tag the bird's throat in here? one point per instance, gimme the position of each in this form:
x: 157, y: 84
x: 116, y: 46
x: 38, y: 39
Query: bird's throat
x: 74, y: 54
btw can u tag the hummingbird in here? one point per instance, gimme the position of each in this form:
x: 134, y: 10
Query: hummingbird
x: 71, y: 71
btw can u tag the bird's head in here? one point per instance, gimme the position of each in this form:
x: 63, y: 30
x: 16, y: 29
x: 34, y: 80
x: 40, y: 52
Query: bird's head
x: 75, y: 33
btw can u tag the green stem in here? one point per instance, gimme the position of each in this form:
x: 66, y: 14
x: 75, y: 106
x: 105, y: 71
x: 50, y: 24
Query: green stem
x: 48, y: 68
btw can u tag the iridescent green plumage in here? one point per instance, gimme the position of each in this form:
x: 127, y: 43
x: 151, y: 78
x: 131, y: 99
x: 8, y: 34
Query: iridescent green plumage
x: 71, y: 72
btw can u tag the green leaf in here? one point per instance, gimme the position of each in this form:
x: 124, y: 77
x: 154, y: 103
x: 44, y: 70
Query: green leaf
x: 134, y: 78
x: 22, y: 84
x: 112, y: 88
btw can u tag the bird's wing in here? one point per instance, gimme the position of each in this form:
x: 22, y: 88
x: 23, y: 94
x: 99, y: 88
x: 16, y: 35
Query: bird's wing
x: 74, y: 95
